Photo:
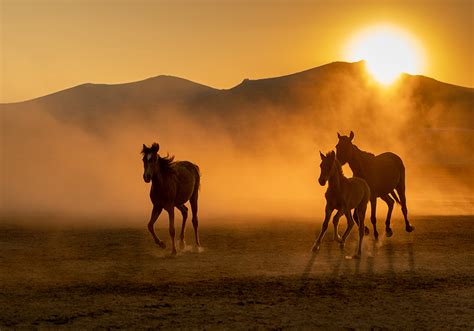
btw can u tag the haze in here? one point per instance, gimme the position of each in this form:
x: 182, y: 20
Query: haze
x: 75, y: 154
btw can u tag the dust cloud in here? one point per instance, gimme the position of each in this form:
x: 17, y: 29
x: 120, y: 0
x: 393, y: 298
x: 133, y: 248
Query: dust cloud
x: 267, y: 168
x: 56, y: 171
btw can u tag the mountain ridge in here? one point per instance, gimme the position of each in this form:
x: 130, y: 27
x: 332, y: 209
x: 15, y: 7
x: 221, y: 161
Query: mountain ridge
x: 245, y: 82
x: 333, y: 90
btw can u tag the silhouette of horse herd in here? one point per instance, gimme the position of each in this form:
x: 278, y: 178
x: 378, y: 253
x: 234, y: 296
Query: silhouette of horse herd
x: 375, y: 176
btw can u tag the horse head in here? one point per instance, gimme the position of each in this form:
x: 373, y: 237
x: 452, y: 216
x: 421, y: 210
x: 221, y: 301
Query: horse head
x: 150, y: 161
x: 344, y: 148
x: 327, y: 166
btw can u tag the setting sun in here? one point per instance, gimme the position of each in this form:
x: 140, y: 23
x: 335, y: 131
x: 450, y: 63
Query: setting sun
x: 387, y: 52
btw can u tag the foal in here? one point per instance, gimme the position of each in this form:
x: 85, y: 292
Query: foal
x: 343, y: 194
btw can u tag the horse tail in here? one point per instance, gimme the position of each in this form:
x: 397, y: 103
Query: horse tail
x: 197, y: 171
x: 393, y: 194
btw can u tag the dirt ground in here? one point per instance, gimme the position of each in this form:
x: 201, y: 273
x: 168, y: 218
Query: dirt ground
x: 247, y: 277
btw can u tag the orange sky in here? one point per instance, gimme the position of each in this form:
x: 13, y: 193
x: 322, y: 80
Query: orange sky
x: 49, y: 45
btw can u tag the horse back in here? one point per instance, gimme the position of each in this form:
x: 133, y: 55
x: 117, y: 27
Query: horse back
x: 389, y: 159
x: 386, y: 172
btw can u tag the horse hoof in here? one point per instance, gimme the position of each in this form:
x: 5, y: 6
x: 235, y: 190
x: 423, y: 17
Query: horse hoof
x: 356, y: 256
x: 173, y: 252
x: 198, y: 249
x: 389, y: 233
x: 182, y: 245
x: 161, y: 244
x: 410, y: 228
x: 366, y: 231
x: 376, y: 236
x: 315, y: 249
x: 341, y: 245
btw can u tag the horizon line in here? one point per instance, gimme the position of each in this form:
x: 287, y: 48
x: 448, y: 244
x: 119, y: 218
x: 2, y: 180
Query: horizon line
x: 216, y: 88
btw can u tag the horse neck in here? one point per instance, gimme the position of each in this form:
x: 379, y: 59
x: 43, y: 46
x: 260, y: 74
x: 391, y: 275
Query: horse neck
x: 162, y: 181
x: 360, y: 160
x: 157, y: 180
x: 337, y: 179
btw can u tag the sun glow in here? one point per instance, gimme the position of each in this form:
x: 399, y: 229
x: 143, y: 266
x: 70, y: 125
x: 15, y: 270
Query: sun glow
x: 387, y: 51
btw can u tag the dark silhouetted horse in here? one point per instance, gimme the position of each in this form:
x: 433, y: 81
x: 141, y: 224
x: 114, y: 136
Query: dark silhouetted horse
x: 343, y: 194
x: 172, y: 185
x: 384, y: 173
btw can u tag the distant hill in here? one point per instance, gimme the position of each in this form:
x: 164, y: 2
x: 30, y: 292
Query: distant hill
x: 87, y: 104
x: 321, y: 89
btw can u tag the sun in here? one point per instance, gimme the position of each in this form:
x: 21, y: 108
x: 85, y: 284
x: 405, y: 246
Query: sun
x: 387, y: 51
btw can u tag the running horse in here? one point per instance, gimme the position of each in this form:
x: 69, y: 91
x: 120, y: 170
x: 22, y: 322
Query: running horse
x: 172, y: 185
x: 384, y: 173
x: 343, y: 194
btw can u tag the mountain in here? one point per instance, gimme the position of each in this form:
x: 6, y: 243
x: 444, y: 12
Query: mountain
x: 86, y: 104
x: 328, y: 88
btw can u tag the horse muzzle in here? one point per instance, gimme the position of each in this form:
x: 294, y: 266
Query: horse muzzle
x: 146, y: 179
x: 322, y: 181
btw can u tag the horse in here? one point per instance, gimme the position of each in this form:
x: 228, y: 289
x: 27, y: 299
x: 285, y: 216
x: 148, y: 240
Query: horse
x: 172, y: 185
x: 384, y: 173
x: 343, y: 194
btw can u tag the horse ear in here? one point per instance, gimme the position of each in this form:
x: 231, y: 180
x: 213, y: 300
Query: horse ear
x: 351, y: 136
x: 338, y: 135
x: 144, y: 148
x: 322, y: 155
x: 155, y: 147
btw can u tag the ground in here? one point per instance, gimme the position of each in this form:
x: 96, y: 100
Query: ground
x: 252, y: 276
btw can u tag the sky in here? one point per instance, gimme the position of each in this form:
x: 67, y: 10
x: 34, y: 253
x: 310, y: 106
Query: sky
x: 50, y: 45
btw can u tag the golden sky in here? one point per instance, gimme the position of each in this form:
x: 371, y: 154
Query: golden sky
x: 50, y: 45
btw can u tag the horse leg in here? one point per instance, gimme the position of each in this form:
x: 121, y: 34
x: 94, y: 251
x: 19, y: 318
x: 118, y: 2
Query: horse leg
x: 327, y: 217
x: 390, y: 203
x: 356, y: 219
x: 403, y: 201
x: 184, y: 211
x: 335, y: 222
x: 171, y: 229
x: 194, y: 209
x: 373, y: 218
x: 360, y: 212
x: 350, y: 224
x: 154, y: 216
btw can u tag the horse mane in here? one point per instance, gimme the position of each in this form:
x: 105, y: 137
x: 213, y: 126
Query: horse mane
x: 339, y: 167
x: 336, y: 162
x: 364, y: 153
x: 166, y: 164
